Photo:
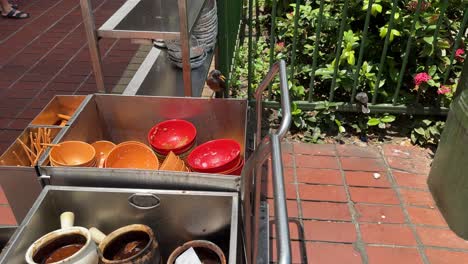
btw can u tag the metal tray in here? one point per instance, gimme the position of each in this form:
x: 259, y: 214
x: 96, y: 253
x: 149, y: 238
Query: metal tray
x: 120, y: 118
x: 60, y: 104
x: 181, y: 216
x: 20, y: 183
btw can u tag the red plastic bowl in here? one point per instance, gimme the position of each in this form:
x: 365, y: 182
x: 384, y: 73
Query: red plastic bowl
x: 215, y: 156
x: 236, y: 170
x: 172, y: 135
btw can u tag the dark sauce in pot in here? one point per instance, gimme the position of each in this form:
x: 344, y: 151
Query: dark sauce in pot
x: 207, y: 256
x: 127, y: 245
x: 60, y: 248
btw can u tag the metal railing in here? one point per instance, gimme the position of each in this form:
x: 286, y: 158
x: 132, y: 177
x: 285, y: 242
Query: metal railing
x: 344, y: 101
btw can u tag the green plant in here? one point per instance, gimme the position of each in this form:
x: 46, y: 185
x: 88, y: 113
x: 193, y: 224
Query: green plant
x: 427, y: 132
x: 381, y: 122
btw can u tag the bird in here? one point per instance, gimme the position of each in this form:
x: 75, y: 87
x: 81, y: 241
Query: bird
x: 216, y: 81
x: 363, y: 100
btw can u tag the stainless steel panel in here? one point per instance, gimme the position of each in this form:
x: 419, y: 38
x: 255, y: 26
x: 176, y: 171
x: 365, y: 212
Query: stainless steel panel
x: 181, y: 216
x: 19, y: 180
x: 121, y: 118
x: 157, y: 15
x: 60, y: 104
x: 165, y: 79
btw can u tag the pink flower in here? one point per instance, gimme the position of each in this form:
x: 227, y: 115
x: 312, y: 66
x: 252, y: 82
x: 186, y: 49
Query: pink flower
x: 421, y: 77
x: 280, y: 44
x: 459, y: 55
x: 443, y: 90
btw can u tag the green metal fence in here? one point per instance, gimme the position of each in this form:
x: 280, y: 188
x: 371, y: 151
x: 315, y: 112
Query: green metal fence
x: 345, y: 102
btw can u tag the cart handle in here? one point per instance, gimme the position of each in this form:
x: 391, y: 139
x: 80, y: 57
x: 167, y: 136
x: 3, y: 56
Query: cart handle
x: 269, y: 145
x: 280, y: 67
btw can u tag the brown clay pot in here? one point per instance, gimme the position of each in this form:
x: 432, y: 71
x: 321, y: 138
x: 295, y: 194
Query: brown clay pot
x: 207, y: 251
x: 112, y: 246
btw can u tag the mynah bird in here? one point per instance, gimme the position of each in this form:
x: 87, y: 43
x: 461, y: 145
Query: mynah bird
x: 216, y: 81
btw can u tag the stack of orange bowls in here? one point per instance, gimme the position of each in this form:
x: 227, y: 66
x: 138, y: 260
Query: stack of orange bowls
x: 73, y: 154
x: 220, y: 156
x: 173, y: 163
x: 132, y: 155
x: 174, y: 135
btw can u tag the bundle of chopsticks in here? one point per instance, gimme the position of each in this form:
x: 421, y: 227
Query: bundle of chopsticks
x: 39, y: 141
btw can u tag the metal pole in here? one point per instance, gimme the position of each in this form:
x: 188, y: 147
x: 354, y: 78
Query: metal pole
x: 185, y: 44
x: 281, y: 212
x: 90, y: 29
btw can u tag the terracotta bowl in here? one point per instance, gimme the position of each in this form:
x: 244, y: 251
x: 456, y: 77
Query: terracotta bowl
x: 73, y: 153
x: 102, y: 148
x: 132, y: 155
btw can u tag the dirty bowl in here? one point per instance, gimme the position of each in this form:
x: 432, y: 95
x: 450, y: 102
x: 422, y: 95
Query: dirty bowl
x: 102, y: 148
x: 215, y: 156
x: 132, y: 155
x: 73, y: 153
x: 172, y: 135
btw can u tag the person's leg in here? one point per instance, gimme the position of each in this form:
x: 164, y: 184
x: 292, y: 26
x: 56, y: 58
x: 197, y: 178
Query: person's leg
x: 9, y: 12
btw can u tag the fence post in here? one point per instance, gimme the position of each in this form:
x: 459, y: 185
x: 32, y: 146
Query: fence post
x: 316, y: 47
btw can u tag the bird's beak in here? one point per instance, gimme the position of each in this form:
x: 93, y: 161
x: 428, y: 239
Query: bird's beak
x: 222, y: 77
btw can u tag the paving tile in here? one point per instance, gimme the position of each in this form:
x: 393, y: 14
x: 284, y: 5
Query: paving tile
x: 6, y: 216
x: 439, y: 256
x: 416, y: 197
x: 410, y: 180
x: 440, y: 237
x: 317, y: 162
x: 290, y: 190
x: 362, y: 164
x: 365, y: 178
x: 409, y: 165
x: 390, y: 255
x: 288, y: 160
x: 298, y: 250
x: 355, y: 151
x: 425, y: 216
x: 314, y: 149
x: 387, y: 234
x: 332, y: 253
x: 329, y: 231
x: 325, y: 211
x: 403, y: 151
x: 373, y: 195
x: 290, y: 204
x: 322, y: 193
x: 380, y: 213
x: 296, y: 231
x: 323, y: 176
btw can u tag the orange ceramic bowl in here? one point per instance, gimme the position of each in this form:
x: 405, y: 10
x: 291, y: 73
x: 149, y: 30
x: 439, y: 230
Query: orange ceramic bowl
x: 73, y: 154
x: 132, y: 156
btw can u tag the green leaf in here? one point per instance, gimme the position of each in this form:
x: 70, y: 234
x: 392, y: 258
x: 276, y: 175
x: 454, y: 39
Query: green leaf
x: 432, y: 70
x: 413, y: 138
x: 351, y: 58
x: 388, y: 119
x: 376, y: 8
x: 432, y: 83
x: 373, y: 122
x: 420, y: 131
x: 383, y: 31
x: 429, y: 40
x: 434, y: 131
x: 427, y: 122
x: 341, y: 129
x: 382, y: 125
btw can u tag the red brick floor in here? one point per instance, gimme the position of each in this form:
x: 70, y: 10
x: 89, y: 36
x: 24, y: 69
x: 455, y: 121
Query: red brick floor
x: 47, y: 54
x: 340, y: 212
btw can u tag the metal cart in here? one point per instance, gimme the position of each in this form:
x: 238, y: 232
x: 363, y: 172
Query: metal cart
x: 108, y: 185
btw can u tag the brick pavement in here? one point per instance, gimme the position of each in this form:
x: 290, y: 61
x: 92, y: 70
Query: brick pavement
x: 340, y: 212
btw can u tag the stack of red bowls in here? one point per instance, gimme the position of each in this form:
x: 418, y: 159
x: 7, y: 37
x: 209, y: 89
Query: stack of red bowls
x: 220, y: 156
x: 174, y: 135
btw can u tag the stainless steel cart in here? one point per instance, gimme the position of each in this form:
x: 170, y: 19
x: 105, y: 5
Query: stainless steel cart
x: 123, y: 120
